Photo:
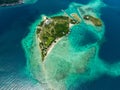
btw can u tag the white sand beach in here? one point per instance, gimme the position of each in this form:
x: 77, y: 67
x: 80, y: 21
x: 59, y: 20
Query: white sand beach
x: 52, y: 45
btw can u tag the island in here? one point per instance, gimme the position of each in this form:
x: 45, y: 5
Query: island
x: 75, y: 17
x: 95, y: 21
x: 10, y: 2
x: 57, y: 57
x: 50, y: 31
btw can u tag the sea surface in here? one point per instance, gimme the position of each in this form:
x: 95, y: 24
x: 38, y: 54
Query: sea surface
x: 14, y: 26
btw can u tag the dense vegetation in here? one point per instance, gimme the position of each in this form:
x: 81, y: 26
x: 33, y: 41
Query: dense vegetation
x: 58, y: 27
x: 8, y: 1
x: 95, y: 21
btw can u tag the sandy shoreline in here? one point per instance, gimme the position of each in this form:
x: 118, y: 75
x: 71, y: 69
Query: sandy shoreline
x: 53, y: 44
x: 49, y: 49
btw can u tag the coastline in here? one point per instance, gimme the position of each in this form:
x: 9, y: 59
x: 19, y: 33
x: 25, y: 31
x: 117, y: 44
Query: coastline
x: 56, y: 41
x: 46, y: 65
x: 47, y: 45
x: 52, y: 45
x: 13, y: 4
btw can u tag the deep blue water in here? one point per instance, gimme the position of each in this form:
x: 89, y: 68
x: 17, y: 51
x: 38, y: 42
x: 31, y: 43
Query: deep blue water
x: 14, y: 24
x: 110, y: 50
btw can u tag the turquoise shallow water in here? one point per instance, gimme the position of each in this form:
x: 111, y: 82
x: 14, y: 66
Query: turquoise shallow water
x: 72, y: 61
x: 24, y: 16
x: 81, y: 36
